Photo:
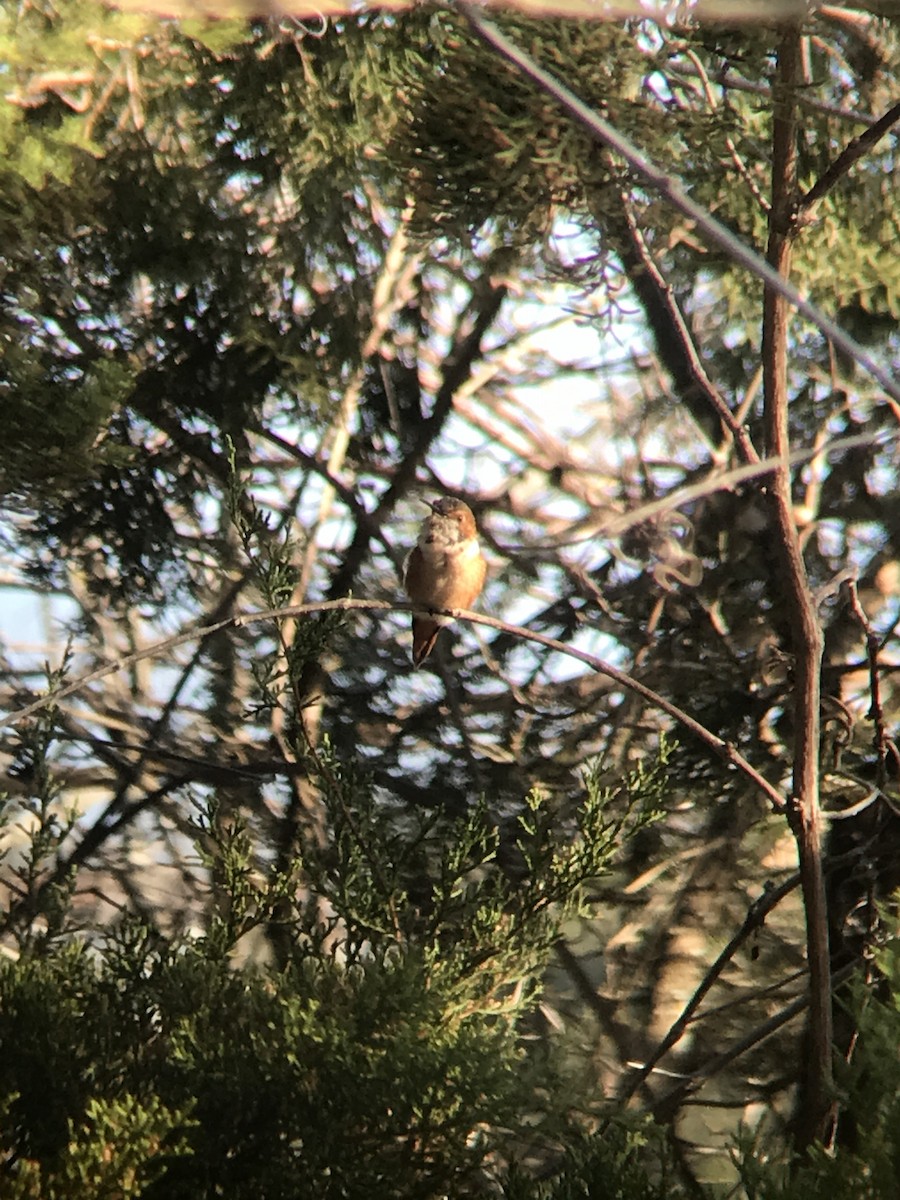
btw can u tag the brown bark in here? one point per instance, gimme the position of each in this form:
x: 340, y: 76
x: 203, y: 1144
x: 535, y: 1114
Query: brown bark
x: 804, y: 812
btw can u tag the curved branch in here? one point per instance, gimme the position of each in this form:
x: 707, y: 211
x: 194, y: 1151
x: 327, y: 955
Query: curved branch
x: 722, y: 749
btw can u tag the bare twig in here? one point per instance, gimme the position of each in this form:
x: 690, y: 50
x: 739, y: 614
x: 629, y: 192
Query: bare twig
x: 850, y: 155
x: 667, y: 1105
x: 755, y: 918
x: 683, y: 358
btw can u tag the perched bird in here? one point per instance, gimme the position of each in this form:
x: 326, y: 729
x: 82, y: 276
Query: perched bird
x: 445, y: 569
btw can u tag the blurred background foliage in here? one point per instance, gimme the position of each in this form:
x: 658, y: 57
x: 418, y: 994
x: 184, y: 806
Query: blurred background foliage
x: 266, y: 284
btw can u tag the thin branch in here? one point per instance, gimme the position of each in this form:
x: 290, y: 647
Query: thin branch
x: 755, y: 919
x: 717, y: 233
x: 667, y: 1105
x: 850, y: 155
x: 675, y: 342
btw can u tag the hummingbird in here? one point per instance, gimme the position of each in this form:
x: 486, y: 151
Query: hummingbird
x: 445, y: 569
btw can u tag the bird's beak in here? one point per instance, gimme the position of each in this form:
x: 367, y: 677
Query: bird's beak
x: 427, y: 503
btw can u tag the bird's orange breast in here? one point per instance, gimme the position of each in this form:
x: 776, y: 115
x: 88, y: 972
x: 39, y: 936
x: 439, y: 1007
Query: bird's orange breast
x: 448, y: 578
